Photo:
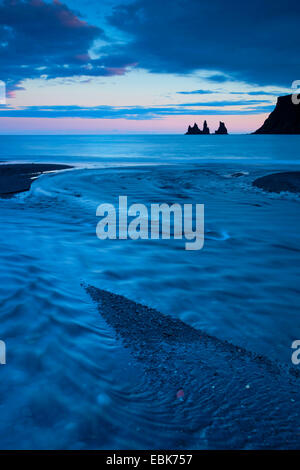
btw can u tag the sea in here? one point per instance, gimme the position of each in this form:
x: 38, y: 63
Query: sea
x: 69, y: 382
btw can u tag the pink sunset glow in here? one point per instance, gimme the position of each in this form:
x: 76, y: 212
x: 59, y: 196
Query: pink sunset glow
x: 170, y: 125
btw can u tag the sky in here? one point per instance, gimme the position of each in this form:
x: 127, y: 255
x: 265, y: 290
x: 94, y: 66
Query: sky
x: 144, y: 66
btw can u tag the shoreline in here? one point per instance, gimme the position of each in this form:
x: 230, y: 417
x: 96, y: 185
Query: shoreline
x: 17, y: 177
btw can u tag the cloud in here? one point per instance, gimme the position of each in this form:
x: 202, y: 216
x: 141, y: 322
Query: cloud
x: 41, y: 39
x: 274, y: 93
x: 125, y: 112
x: 250, y: 93
x: 218, y: 77
x: 252, y: 41
x: 225, y: 103
x: 197, y: 92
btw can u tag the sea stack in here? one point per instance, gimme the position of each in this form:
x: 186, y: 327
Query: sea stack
x: 222, y: 129
x: 205, y: 128
x: 285, y: 119
x: 194, y: 130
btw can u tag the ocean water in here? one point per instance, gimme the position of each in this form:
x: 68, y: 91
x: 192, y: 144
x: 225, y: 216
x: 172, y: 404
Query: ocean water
x: 69, y: 381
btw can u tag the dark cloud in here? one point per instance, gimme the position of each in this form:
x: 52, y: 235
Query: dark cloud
x: 218, y: 77
x: 113, y: 112
x: 254, y: 41
x: 212, y: 92
x: 197, y: 92
x: 259, y: 92
x: 225, y: 103
x: 38, y: 38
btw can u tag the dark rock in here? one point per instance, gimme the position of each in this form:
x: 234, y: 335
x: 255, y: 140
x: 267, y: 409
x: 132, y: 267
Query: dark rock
x: 285, y: 119
x: 278, y: 182
x: 222, y: 129
x: 16, y: 178
x: 238, y: 174
x: 194, y: 130
x: 205, y: 128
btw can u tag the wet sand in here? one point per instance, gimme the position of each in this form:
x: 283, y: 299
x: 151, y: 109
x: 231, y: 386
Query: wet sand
x: 16, y: 178
x: 279, y: 182
x: 233, y: 397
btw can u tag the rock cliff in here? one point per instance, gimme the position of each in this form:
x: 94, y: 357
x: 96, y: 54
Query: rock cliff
x: 285, y: 119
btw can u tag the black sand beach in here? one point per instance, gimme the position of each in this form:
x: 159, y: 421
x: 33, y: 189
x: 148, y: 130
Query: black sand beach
x: 16, y: 178
x: 255, y: 399
x: 136, y: 367
x: 279, y: 182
